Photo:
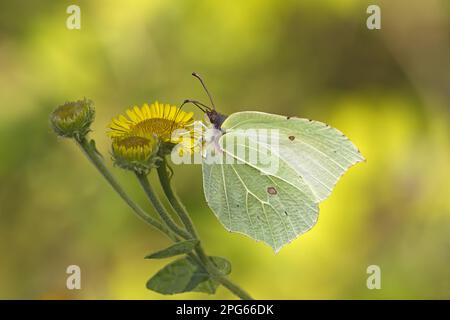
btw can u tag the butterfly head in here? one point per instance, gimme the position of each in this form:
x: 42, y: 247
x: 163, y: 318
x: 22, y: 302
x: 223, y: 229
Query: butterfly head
x: 216, y: 118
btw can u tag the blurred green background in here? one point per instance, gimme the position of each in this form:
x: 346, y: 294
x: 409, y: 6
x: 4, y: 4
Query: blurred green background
x: 388, y: 90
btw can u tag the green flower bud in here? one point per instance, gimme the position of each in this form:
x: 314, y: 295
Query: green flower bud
x: 134, y: 153
x: 73, y: 119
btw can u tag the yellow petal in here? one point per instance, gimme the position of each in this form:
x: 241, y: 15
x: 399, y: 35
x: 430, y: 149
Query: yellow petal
x: 120, y: 124
x: 124, y: 120
x: 156, y: 109
x: 146, y: 110
x: 171, y: 115
x: 132, y: 115
x: 180, y: 116
x: 187, y: 116
x: 167, y: 111
x: 138, y: 112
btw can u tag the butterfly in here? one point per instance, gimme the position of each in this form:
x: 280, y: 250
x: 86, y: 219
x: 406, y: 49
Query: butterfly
x: 271, y: 203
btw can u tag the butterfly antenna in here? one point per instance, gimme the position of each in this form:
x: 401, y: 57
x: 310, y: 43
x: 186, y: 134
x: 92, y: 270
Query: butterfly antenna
x: 176, y: 115
x: 203, y: 107
x: 206, y: 89
x: 198, y: 104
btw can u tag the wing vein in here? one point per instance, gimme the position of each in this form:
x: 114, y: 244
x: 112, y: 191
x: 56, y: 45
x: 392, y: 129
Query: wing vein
x: 226, y: 195
x: 289, y: 217
x: 287, y: 163
x: 268, y: 224
x: 267, y: 203
x: 266, y: 173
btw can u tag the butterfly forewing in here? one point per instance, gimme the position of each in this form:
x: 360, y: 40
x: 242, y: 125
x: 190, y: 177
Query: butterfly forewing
x: 318, y: 153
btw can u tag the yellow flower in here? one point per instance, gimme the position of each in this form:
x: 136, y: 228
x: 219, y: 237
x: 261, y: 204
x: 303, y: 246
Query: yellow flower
x: 135, y: 153
x: 159, y: 120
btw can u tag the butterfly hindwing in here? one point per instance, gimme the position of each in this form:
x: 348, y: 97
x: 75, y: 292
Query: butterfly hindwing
x: 264, y: 207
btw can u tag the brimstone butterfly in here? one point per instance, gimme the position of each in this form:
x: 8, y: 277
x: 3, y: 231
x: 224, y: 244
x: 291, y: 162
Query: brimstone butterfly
x: 273, y: 206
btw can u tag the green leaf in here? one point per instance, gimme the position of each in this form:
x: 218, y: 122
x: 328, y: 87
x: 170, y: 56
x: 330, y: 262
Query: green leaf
x: 94, y: 148
x: 178, y: 248
x: 184, y: 275
x: 210, y: 286
x: 222, y: 264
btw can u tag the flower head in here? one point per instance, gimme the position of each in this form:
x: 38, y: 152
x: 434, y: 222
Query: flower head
x: 135, y: 153
x: 159, y: 120
x: 73, y: 119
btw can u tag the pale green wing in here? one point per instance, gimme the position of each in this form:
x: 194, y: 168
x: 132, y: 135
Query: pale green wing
x: 317, y: 152
x: 276, y: 206
x: 263, y: 207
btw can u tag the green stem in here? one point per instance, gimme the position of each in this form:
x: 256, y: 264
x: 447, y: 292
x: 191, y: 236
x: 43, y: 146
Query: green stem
x: 174, y: 200
x: 178, y: 207
x: 234, y: 288
x: 91, y: 154
x: 159, y: 208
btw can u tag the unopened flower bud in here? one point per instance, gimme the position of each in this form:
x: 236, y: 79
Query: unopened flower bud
x: 134, y: 153
x: 73, y: 119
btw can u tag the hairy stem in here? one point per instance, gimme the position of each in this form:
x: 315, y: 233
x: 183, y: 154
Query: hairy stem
x: 178, y: 207
x: 159, y: 208
x: 95, y: 159
x: 234, y: 288
x: 169, y: 228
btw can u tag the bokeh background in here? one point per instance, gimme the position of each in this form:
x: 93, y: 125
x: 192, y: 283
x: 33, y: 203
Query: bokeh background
x: 388, y: 90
